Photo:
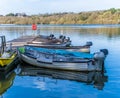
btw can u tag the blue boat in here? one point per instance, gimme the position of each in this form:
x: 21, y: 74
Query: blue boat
x: 62, y: 59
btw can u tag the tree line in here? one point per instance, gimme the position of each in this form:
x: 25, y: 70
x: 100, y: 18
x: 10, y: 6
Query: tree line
x: 110, y: 16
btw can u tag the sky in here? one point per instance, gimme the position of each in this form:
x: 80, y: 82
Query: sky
x: 31, y: 7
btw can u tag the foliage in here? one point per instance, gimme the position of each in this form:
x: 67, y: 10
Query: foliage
x: 110, y: 16
x: 113, y: 10
x: 10, y: 14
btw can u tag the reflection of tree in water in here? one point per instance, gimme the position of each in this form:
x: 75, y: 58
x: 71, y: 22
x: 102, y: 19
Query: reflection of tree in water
x: 90, y: 78
x: 109, y: 32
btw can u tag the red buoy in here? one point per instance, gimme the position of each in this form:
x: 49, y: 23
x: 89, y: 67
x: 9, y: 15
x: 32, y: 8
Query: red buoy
x: 34, y: 27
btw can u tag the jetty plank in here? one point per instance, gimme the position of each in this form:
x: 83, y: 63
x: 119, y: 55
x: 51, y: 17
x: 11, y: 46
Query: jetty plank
x: 21, y: 41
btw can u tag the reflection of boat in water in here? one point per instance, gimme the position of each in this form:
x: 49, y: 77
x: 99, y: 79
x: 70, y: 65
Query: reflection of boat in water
x: 6, y: 81
x: 93, y: 78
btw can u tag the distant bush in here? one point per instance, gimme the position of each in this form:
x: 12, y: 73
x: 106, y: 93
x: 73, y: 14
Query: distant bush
x: 110, y: 16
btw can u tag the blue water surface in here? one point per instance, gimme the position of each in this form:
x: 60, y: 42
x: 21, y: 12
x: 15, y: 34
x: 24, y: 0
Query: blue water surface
x: 57, y: 84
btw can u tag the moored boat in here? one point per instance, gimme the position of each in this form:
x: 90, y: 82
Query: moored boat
x: 62, y: 59
x: 82, y: 48
x: 62, y: 42
x: 10, y: 62
x: 8, y: 56
x: 50, y: 40
x: 41, y: 40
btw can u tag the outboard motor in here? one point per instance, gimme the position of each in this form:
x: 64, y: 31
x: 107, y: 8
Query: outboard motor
x: 105, y: 51
x: 61, y: 36
x: 99, y: 56
x: 89, y: 43
x: 68, y: 38
x: 51, y: 35
x: 68, y: 44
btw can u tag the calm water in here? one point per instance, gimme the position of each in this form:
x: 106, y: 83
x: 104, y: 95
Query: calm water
x: 30, y: 82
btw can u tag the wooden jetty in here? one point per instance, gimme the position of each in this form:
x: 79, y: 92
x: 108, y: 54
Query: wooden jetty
x: 21, y: 41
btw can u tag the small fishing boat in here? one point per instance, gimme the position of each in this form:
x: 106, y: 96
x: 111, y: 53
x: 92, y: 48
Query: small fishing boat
x: 41, y: 40
x: 84, y: 48
x: 58, y: 43
x: 50, y: 40
x: 97, y: 79
x: 62, y: 59
x: 8, y: 56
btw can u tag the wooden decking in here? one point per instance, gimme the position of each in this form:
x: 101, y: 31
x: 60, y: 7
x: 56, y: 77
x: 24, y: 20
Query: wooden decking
x: 21, y: 41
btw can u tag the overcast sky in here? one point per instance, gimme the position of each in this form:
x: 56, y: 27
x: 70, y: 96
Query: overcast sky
x: 53, y: 6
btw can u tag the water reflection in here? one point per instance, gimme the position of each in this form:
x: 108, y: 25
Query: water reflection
x: 6, y: 81
x: 109, y: 31
x: 97, y: 79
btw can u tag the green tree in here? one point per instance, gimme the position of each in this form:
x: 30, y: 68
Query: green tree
x: 113, y: 10
x: 10, y: 14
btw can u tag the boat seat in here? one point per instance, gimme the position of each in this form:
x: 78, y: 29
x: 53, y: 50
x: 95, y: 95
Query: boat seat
x: 7, y: 54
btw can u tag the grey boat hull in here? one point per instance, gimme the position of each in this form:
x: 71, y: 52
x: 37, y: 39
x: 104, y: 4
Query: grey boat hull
x: 74, y: 66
